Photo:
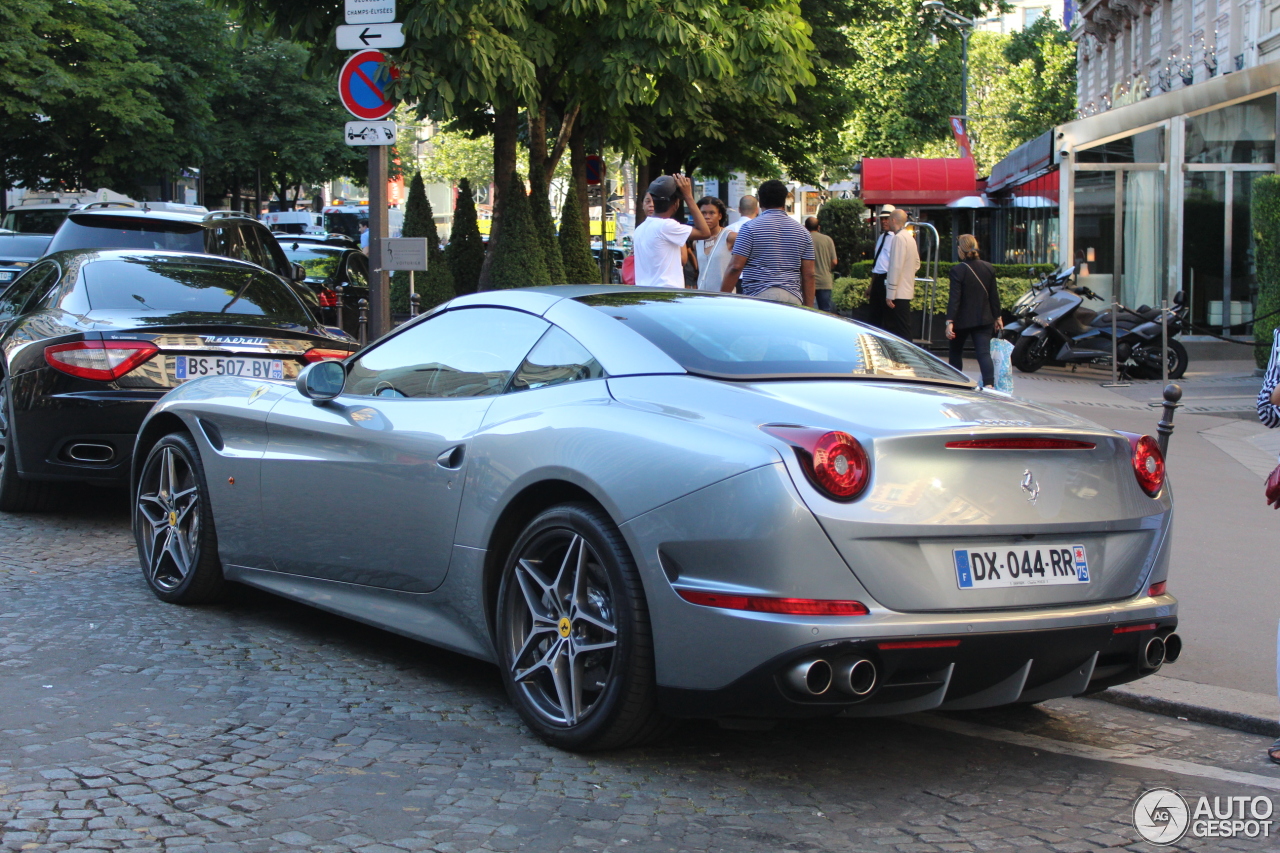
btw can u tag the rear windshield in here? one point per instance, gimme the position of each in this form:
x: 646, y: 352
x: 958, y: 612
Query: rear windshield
x: 740, y: 338
x: 128, y: 232
x: 179, y: 288
x: 320, y: 262
x: 33, y: 221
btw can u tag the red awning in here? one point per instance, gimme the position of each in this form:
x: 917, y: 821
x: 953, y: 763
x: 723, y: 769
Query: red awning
x: 917, y: 180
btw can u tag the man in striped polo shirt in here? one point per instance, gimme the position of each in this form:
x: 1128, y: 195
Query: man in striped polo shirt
x: 773, y: 254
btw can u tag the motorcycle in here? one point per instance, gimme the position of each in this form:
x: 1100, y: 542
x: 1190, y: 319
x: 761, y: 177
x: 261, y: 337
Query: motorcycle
x: 1019, y: 315
x: 1062, y: 331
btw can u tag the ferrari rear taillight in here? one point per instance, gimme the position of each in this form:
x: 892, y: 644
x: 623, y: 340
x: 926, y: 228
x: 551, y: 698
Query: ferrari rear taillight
x: 104, y: 361
x: 834, y: 461
x: 319, y: 354
x: 1148, y: 462
x: 764, y: 604
x: 328, y: 298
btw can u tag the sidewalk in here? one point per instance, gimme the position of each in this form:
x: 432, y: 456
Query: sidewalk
x: 1223, y: 568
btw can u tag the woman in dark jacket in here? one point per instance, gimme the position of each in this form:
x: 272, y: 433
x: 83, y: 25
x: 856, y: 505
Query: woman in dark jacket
x: 974, y: 308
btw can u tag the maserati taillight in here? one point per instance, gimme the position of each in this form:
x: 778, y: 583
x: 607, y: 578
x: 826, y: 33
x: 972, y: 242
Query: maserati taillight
x: 320, y: 354
x: 104, y: 361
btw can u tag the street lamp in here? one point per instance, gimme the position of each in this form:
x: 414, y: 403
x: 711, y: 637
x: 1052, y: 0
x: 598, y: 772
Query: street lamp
x: 965, y: 26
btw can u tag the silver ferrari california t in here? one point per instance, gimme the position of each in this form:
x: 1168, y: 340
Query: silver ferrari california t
x: 649, y: 504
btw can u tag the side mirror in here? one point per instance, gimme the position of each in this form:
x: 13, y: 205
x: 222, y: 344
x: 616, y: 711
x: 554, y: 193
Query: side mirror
x: 321, y: 381
x: 299, y: 273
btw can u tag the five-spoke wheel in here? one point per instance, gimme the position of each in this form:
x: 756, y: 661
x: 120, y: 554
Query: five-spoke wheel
x: 173, y: 526
x: 573, y: 633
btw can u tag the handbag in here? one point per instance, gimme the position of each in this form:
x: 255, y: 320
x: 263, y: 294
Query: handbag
x: 1273, y: 488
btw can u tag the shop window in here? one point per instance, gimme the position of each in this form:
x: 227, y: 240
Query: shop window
x: 1145, y: 147
x: 1242, y: 133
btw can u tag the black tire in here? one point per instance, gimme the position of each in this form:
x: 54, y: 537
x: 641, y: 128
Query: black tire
x: 1149, y: 368
x: 173, y: 525
x: 16, y: 494
x: 1030, y: 354
x: 575, y: 698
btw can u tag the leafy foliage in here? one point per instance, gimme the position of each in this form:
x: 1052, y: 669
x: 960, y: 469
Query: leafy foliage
x: 575, y: 246
x: 845, y: 222
x: 1266, y: 234
x: 451, y: 156
x: 850, y: 293
x: 540, y: 206
x: 435, y: 285
x: 518, y: 260
x: 465, y: 252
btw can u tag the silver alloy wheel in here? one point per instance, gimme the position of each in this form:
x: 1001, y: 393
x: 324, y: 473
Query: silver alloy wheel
x: 562, y: 636
x: 169, y: 502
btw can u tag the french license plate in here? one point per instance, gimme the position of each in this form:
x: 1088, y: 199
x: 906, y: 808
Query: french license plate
x: 1045, y: 565
x: 195, y: 366
x: 6, y: 275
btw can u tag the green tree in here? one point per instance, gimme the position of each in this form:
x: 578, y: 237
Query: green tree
x: 451, y: 156
x: 435, y: 284
x: 517, y: 259
x: 74, y: 87
x: 844, y: 220
x: 575, y: 245
x: 540, y: 204
x: 1265, y: 219
x: 465, y: 252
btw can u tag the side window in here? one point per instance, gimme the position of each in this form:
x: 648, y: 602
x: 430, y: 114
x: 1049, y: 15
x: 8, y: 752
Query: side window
x: 554, y: 360
x: 357, y: 269
x: 468, y: 352
x: 37, y: 280
x: 273, y: 257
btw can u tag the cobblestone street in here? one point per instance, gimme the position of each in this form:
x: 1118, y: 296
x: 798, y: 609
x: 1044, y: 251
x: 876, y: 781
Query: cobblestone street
x: 261, y: 725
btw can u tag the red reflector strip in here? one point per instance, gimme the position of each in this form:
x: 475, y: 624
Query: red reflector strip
x: 918, y: 644
x: 1020, y: 444
x: 761, y: 604
x: 1129, y: 629
x: 1157, y: 588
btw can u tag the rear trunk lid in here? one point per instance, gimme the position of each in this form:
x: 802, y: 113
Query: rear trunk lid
x: 955, y: 528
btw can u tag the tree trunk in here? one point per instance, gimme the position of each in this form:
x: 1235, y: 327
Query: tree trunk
x: 578, y: 166
x: 505, y: 126
x: 537, y: 119
x: 642, y: 187
x: 568, y: 122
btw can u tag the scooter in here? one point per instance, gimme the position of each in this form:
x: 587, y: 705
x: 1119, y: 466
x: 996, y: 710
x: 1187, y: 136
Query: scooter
x: 1063, y: 331
x: 1020, y: 315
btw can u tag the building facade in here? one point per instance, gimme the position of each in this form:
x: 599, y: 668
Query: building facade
x: 1151, y: 186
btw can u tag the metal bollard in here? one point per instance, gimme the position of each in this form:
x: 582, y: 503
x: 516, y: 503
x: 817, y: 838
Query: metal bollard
x: 363, y: 323
x: 339, y: 306
x: 414, y: 299
x: 1164, y: 429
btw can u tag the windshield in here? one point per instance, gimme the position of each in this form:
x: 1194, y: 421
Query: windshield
x: 320, y: 262
x: 741, y: 338
x: 95, y: 231
x: 33, y: 221
x: 345, y: 223
x: 187, y: 290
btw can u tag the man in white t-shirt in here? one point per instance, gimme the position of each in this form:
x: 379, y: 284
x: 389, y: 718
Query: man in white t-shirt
x: 658, y: 240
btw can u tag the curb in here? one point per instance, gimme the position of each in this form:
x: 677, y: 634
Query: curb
x: 1228, y: 709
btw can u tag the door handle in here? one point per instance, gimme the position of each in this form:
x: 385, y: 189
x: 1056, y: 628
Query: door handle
x: 452, y: 458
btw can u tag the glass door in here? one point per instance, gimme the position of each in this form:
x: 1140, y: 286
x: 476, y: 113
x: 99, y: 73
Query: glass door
x: 1204, y: 213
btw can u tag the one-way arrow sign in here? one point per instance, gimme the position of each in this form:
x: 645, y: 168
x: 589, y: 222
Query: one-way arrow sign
x: 379, y: 36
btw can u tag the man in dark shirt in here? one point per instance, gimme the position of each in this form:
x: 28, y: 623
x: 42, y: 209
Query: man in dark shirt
x: 772, y: 255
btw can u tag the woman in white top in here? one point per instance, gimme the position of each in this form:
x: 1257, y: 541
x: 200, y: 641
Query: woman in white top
x: 712, y: 254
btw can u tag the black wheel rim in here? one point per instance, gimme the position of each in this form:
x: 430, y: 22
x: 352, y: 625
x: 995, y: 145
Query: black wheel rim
x: 562, y: 636
x: 168, y: 518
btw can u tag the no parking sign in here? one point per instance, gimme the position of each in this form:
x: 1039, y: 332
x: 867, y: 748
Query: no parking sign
x: 362, y: 85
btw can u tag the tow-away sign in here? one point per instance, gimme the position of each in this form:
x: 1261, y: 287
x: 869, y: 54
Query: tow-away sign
x: 370, y: 12
x: 378, y: 36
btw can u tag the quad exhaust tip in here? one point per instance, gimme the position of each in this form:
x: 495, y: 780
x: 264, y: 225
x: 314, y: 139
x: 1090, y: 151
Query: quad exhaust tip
x: 1172, y: 648
x: 811, y: 677
x: 1153, y: 654
x: 856, y: 676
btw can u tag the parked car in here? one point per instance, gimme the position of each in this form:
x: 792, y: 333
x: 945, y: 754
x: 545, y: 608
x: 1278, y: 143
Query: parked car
x: 329, y: 267
x: 616, y: 257
x: 17, y: 252
x: 224, y: 233
x: 91, y: 339
x: 332, y: 239
x: 652, y: 503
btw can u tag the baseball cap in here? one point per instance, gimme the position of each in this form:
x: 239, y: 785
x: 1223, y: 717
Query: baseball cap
x: 663, y: 188
x: 886, y: 210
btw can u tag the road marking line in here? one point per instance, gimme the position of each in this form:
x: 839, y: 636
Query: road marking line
x: 1097, y: 753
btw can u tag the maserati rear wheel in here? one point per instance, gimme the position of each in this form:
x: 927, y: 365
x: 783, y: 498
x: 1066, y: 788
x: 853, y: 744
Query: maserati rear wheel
x: 173, y: 525
x: 574, y: 640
